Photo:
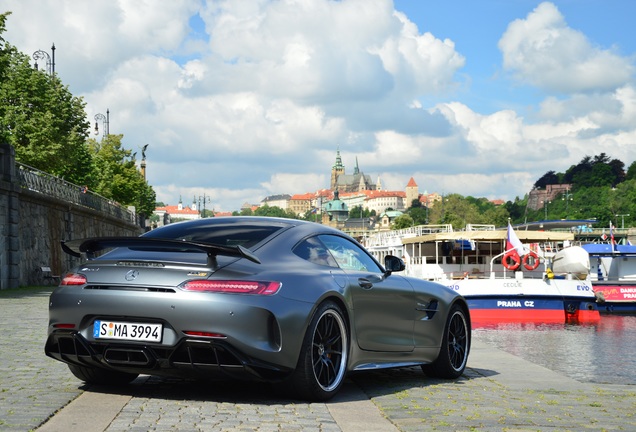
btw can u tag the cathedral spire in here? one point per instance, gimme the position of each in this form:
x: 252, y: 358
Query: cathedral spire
x: 337, y: 170
x: 338, y: 166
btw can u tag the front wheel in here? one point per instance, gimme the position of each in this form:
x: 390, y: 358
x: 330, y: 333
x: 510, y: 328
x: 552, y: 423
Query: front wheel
x: 453, y: 355
x: 322, y: 364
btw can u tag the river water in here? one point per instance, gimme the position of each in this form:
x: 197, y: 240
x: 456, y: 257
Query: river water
x: 599, y: 353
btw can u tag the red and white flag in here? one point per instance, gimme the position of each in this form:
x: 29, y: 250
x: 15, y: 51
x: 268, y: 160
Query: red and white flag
x: 513, y: 242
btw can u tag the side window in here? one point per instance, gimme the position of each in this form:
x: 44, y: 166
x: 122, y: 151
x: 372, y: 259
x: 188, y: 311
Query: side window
x: 349, y: 255
x: 314, y: 251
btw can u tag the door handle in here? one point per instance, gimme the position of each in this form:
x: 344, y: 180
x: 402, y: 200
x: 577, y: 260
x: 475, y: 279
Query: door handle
x: 365, y: 283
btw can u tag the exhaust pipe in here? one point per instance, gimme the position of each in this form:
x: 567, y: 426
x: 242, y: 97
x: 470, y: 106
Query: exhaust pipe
x: 124, y: 356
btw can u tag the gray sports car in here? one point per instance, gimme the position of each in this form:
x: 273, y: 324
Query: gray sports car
x: 261, y: 298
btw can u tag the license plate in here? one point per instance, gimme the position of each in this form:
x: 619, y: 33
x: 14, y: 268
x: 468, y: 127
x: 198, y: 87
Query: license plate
x: 127, y: 331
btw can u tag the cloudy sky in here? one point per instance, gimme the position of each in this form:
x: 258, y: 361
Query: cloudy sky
x: 239, y: 100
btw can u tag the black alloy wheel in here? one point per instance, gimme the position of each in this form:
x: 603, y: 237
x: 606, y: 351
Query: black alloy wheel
x: 453, y: 355
x: 323, y: 359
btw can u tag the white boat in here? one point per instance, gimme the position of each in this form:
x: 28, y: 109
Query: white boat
x: 549, y: 282
x: 613, y: 274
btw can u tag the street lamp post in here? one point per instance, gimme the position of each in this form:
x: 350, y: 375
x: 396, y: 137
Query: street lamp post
x: 427, y: 211
x: 545, y: 208
x: 622, y: 216
x: 318, y: 207
x: 362, y: 219
x: 567, y: 198
x: 203, y: 199
x: 105, y: 119
x: 50, y: 59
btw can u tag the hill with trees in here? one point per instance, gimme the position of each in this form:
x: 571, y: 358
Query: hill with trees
x: 600, y: 189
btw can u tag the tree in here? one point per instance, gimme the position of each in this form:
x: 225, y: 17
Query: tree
x: 358, y: 212
x: 455, y: 210
x: 41, y: 119
x: 496, y: 215
x: 402, y: 221
x: 618, y: 171
x: 631, y: 172
x: 597, y: 171
x: 517, y: 209
x: 311, y: 215
x: 578, y: 170
x: 622, y: 201
x: 419, y: 215
x: 547, y: 179
x: 274, y: 211
x: 117, y: 175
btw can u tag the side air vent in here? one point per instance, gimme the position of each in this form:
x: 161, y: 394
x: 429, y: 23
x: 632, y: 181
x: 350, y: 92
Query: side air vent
x: 429, y: 308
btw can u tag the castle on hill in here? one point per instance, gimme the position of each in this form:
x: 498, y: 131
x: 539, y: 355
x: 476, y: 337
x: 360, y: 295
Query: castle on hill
x: 346, y: 192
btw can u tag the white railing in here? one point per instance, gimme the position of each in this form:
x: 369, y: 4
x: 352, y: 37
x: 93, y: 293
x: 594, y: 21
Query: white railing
x: 394, y: 237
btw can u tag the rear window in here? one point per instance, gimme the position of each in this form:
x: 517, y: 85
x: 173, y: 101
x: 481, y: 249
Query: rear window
x: 219, y: 234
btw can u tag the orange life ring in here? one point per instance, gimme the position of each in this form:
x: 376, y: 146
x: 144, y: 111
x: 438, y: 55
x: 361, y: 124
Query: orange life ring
x: 530, y: 261
x: 514, y: 262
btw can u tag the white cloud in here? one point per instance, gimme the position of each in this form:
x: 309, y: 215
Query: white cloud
x: 258, y: 100
x: 292, y: 184
x: 543, y: 51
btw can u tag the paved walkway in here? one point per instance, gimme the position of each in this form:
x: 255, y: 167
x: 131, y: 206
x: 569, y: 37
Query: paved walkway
x: 498, y: 392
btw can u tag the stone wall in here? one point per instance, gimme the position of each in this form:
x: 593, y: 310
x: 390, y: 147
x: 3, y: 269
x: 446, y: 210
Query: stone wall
x: 32, y: 225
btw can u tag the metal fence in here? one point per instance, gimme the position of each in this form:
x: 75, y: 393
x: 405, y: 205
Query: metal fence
x: 52, y: 186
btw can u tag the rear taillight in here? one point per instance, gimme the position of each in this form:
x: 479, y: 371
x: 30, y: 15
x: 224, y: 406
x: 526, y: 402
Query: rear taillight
x: 205, y: 334
x: 73, y: 279
x: 64, y: 326
x: 233, y: 287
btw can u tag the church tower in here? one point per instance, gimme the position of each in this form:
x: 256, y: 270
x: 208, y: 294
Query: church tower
x: 412, y: 193
x: 336, y: 170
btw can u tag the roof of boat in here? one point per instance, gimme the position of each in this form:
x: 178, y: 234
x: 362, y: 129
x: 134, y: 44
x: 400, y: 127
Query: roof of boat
x: 531, y: 232
x: 608, y: 249
x: 554, y: 224
x: 496, y: 235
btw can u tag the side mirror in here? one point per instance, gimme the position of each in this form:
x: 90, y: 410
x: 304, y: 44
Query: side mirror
x: 393, y: 264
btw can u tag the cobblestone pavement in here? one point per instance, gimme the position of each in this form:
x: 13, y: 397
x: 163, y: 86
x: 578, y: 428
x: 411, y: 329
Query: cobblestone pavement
x: 176, y: 406
x: 477, y: 402
x: 32, y: 386
x: 499, y: 392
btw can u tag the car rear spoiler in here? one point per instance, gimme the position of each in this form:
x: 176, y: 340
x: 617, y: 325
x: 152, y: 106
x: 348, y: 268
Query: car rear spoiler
x: 90, y: 246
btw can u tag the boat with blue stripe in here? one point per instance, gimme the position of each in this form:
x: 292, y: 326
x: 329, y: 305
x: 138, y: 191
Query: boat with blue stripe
x: 544, y: 279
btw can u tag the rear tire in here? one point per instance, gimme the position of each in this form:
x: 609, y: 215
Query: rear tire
x: 92, y: 375
x: 453, y: 355
x: 322, y: 364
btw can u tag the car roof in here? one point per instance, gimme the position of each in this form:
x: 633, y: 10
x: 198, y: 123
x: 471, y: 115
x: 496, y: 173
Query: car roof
x: 247, y: 221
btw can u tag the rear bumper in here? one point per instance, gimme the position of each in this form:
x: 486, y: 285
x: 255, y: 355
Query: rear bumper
x: 265, y: 328
x: 189, y: 358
